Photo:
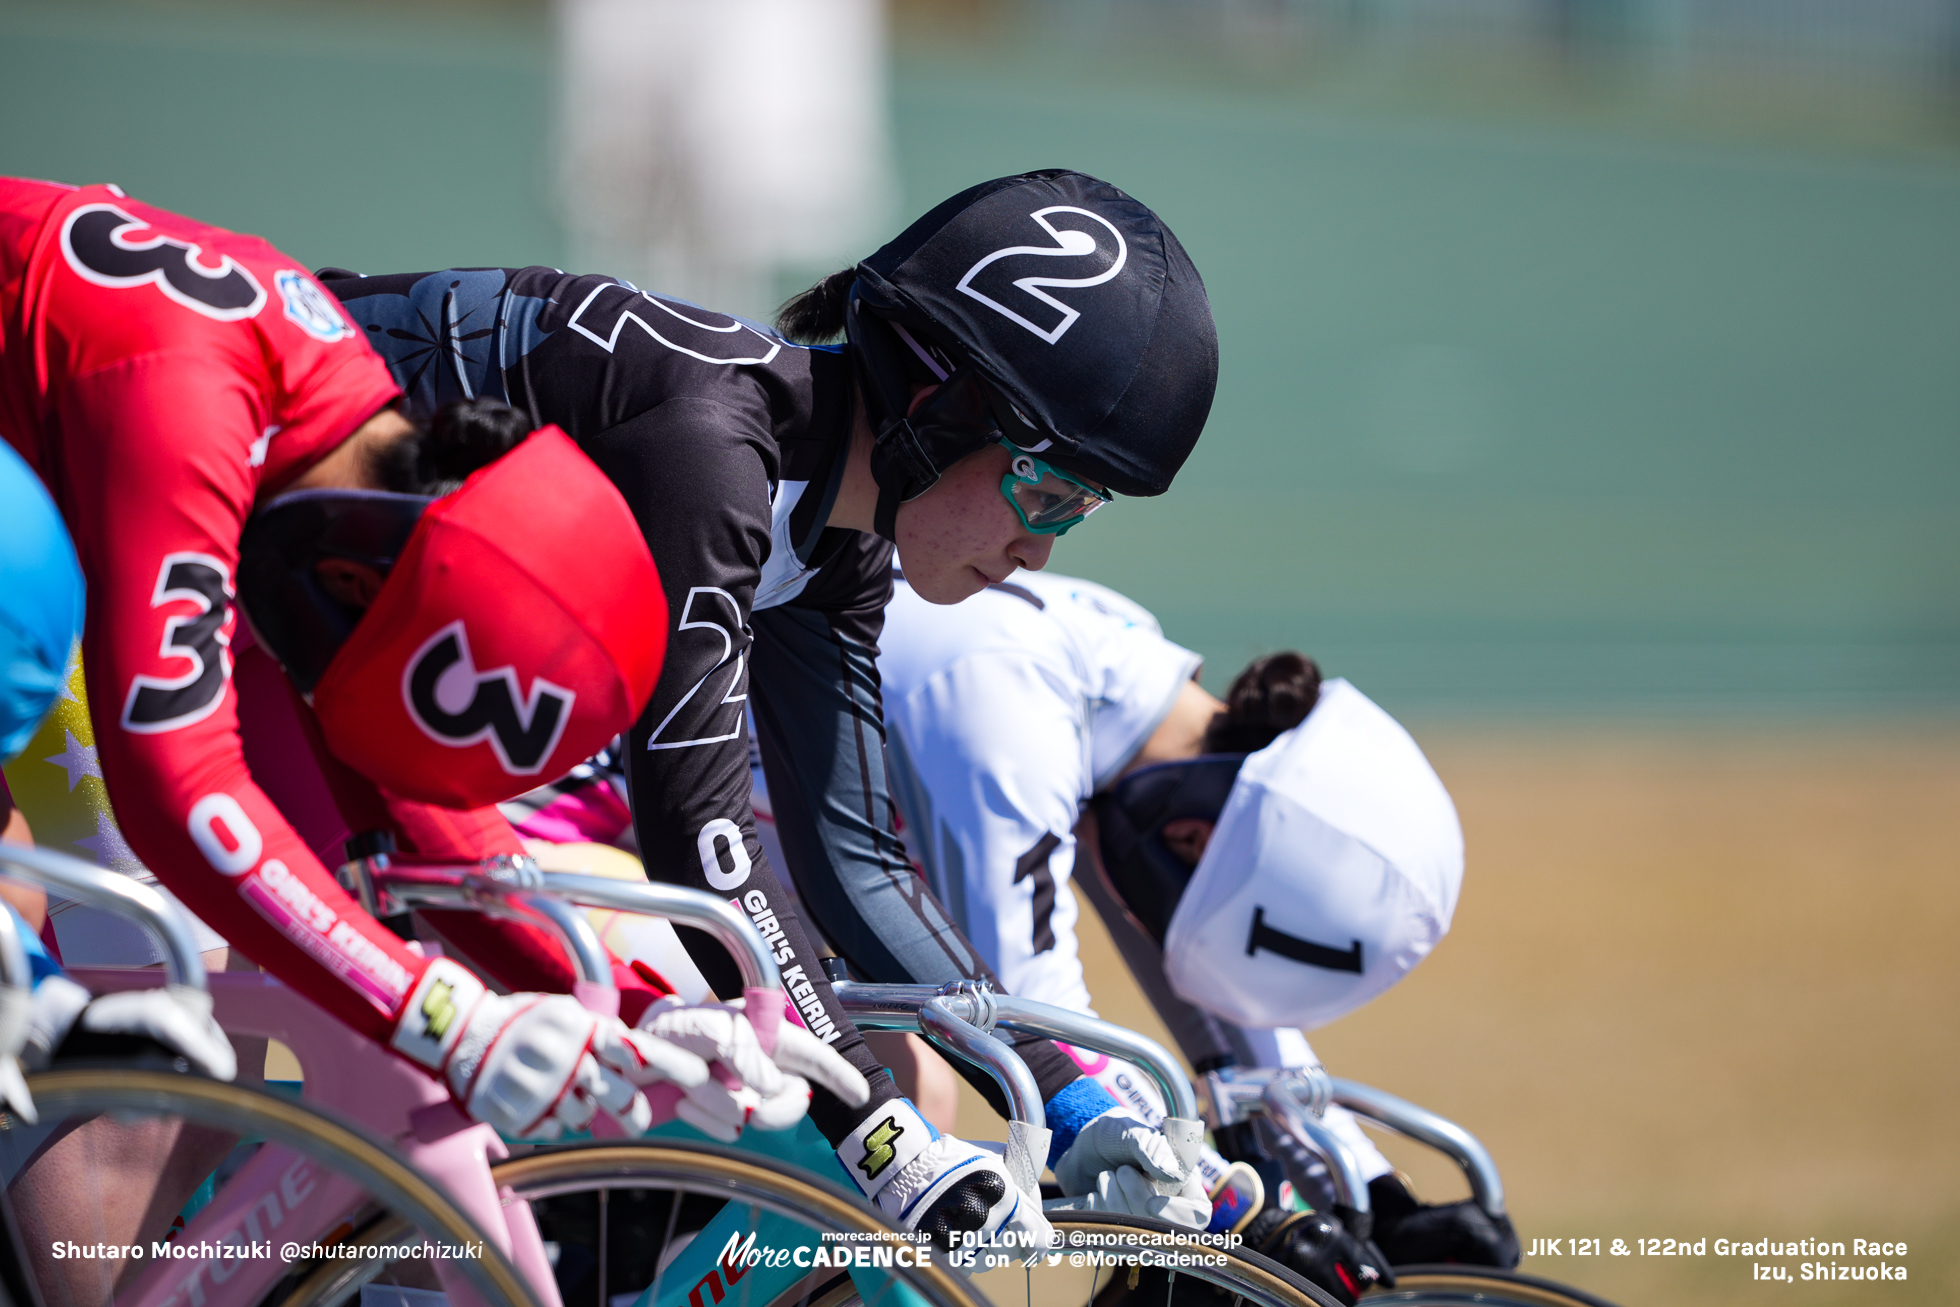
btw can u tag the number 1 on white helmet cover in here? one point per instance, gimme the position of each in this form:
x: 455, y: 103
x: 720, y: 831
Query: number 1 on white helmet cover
x: 1333, y: 870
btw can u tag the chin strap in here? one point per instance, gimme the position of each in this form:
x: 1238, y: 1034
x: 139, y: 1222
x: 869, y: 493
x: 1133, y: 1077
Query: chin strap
x: 885, y: 519
x: 903, y: 470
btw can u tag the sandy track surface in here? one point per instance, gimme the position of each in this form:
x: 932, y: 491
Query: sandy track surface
x: 1702, y: 983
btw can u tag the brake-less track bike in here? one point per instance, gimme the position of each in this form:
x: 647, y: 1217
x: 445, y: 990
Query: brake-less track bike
x: 322, y: 1156
x: 1294, y: 1100
x: 698, y: 1276
x: 959, y: 1019
x: 407, y: 1160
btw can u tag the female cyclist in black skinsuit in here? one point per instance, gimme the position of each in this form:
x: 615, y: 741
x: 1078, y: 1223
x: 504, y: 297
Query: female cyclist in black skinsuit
x: 1021, y: 354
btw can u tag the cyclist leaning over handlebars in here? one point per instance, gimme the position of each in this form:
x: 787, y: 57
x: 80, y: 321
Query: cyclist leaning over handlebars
x: 965, y: 418
x: 164, y: 379
x: 1019, y: 711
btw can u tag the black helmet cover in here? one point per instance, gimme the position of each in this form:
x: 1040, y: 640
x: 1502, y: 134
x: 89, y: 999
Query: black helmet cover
x: 1130, y: 820
x: 293, y: 616
x: 1061, y: 315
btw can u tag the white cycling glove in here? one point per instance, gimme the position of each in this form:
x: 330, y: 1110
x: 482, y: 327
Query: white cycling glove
x: 925, y: 1181
x: 1120, y: 1163
x: 1126, y: 1190
x: 534, y: 1065
x: 1115, y: 1139
x: 177, y: 1017
x: 749, y: 1086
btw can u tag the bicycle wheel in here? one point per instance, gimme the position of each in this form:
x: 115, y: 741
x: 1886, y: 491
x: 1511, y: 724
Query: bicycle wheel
x: 1131, y: 1243
x: 1485, y: 1286
x: 1243, y: 1277
x: 621, y: 1216
x: 119, y: 1149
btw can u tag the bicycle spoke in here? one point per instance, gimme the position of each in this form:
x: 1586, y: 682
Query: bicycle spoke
x: 605, y: 1196
x: 721, y: 1195
x: 661, y: 1260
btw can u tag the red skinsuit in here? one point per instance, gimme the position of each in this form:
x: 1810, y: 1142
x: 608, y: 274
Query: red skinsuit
x: 163, y: 377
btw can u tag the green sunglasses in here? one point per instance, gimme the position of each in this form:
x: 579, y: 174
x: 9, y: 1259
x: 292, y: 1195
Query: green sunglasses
x: 1047, y: 500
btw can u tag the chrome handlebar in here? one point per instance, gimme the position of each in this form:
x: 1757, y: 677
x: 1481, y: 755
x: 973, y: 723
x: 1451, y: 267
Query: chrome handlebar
x: 1288, y: 1107
x: 698, y: 908
x: 1424, y: 1126
x: 15, y: 973
x: 1238, y: 1093
x: 114, y: 893
x: 898, y: 1007
x: 938, y: 1022
x: 507, y: 887
x: 1296, y: 1098
x: 516, y: 888
x: 960, y: 1017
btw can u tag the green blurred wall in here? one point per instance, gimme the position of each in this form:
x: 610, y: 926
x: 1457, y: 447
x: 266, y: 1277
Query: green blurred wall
x: 1513, y: 416
x: 375, y: 137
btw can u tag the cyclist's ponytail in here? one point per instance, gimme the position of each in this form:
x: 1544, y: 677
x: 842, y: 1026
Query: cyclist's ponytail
x: 1270, y: 697
x: 816, y: 316
x: 464, y: 435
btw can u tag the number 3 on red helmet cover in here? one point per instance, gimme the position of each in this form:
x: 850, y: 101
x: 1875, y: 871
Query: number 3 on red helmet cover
x: 523, y: 627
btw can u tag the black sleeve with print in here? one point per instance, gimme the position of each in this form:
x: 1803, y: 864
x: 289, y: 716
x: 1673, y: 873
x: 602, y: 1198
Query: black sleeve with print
x: 701, y: 420
x: 697, y: 418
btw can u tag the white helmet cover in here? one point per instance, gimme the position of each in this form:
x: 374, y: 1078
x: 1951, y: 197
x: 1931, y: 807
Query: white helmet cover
x: 1333, y: 870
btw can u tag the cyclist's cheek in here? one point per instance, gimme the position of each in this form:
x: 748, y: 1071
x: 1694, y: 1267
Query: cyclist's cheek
x: 962, y: 534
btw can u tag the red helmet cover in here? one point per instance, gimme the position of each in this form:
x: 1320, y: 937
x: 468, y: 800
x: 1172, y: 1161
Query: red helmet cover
x: 522, y: 628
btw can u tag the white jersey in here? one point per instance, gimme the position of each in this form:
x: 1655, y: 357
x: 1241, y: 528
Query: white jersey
x: 1004, y: 714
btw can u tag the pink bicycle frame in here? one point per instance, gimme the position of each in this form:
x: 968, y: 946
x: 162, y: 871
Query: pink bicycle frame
x: 280, y: 1196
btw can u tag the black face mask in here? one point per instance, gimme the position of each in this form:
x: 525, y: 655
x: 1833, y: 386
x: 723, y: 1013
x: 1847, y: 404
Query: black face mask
x: 1130, y: 820
x: 293, y: 616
